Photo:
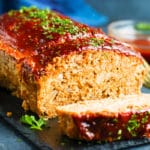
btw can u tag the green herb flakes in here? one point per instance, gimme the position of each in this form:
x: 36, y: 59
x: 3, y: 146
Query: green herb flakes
x: 59, y: 25
x: 50, y: 22
x: 133, y: 125
x: 119, y: 137
x: 112, y: 41
x: 62, y: 143
x: 110, y: 133
x: 11, y: 12
x: 119, y: 132
x: 32, y: 122
x: 25, y: 9
x: 96, y: 42
x: 115, y: 120
x: 144, y: 119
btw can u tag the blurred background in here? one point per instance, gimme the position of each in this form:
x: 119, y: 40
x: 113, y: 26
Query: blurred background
x: 123, y: 9
x: 92, y: 12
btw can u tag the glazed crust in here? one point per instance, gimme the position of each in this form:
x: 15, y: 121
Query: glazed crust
x: 107, y: 120
x: 54, y: 61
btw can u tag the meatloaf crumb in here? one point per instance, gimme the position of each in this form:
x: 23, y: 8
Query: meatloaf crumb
x: 51, y: 60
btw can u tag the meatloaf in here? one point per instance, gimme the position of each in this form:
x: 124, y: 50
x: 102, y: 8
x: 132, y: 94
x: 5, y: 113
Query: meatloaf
x: 48, y: 60
x: 109, y: 119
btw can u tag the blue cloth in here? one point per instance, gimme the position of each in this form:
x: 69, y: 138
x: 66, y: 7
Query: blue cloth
x: 78, y: 10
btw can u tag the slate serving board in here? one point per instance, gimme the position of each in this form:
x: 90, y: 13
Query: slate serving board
x: 50, y: 137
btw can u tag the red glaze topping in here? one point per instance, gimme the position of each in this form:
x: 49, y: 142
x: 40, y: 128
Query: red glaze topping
x: 37, y: 36
x: 103, y: 128
x: 30, y: 30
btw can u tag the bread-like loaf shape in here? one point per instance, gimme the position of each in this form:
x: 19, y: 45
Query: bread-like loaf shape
x: 109, y: 119
x: 48, y: 60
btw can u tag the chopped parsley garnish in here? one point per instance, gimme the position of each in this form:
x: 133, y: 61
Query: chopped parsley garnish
x: 11, y: 12
x: 144, y: 119
x: 115, y: 120
x: 33, y: 122
x: 96, y: 42
x: 112, y: 41
x: 59, y: 25
x: 25, y: 9
x: 119, y: 132
x: 50, y: 21
x: 133, y: 125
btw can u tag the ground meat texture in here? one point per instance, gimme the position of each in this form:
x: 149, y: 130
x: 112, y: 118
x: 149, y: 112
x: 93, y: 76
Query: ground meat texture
x: 48, y: 60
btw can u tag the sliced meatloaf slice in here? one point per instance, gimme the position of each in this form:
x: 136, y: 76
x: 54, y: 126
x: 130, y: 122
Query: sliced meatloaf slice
x: 109, y: 119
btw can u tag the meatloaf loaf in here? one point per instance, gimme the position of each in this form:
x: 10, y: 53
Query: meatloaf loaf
x: 109, y: 119
x: 48, y: 60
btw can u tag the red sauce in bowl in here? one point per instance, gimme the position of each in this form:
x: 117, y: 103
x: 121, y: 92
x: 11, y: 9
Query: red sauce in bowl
x: 125, y: 31
x: 142, y: 45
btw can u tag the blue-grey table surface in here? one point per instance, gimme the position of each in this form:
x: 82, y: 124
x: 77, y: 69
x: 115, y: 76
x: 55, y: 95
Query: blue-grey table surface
x: 115, y: 10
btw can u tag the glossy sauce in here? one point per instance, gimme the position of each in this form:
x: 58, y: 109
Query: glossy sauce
x: 104, y: 128
x: 34, y: 37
